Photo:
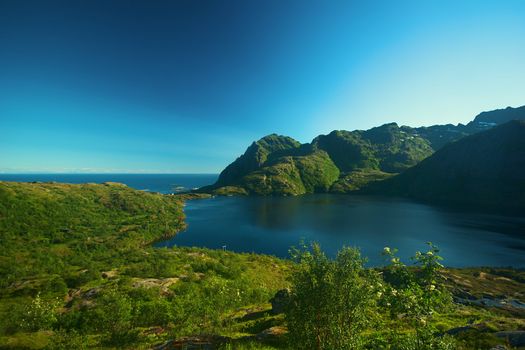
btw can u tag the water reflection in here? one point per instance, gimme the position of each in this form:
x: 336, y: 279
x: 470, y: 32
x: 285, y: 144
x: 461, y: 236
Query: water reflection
x: 272, y: 224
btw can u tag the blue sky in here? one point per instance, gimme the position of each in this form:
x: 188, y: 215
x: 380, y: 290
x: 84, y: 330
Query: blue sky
x: 186, y: 86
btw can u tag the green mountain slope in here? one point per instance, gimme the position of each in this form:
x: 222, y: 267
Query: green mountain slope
x: 279, y: 165
x: 78, y: 271
x: 258, y: 154
x: 291, y: 175
x: 440, y: 135
x: 486, y: 169
x: 343, y: 161
x: 498, y: 116
x: 63, y: 229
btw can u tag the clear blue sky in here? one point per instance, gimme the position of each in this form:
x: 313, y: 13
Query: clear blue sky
x: 186, y: 85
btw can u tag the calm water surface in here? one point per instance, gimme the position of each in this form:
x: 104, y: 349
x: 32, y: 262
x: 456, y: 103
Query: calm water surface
x: 271, y: 225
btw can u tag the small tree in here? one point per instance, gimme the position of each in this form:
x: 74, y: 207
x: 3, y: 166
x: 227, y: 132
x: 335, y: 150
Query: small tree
x: 40, y: 314
x: 414, y: 295
x: 331, y: 300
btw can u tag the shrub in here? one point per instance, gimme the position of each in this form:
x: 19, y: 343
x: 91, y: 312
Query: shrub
x: 39, y: 315
x: 331, y: 300
x: 414, y: 295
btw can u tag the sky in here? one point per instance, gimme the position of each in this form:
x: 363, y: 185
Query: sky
x: 184, y: 86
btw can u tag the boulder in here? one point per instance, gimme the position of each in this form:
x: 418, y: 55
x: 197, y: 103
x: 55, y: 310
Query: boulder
x: 280, y: 301
x: 271, y: 334
x: 202, y: 342
x: 515, y: 338
x: 499, y: 347
x: 480, y: 327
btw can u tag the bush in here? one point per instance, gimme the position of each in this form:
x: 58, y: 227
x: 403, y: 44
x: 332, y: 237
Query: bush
x: 413, y: 295
x: 39, y: 315
x: 331, y: 300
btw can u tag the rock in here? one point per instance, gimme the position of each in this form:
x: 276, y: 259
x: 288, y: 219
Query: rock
x: 203, y: 342
x: 499, y: 347
x: 280, y: 301
x: 270, y: 334
x: 90, y: 293
x: 163, y: 283
x: 515, y: 338
x: 463, y: 294
x: 109, y: 274
x: 480, y: 327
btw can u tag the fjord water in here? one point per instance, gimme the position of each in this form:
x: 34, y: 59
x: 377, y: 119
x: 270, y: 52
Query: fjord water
x: 270, y: 225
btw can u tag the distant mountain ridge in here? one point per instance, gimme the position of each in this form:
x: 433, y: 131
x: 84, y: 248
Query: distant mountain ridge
x: 343, y: 161
x: 486, y: 169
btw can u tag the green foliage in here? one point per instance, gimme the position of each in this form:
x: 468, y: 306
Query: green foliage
x: 276, y: 165
x: 424, y: 339
x: 63, y: 230
x: 331, y: 300
x: 357, y: 179
x: 62, y: 340
x: 112, y: 315
x: 266, y: 149
x: 334, y: 303
x: 314, y: 172
x: 484, y: 170
x: 78, y: 272
x: 414, y: 295
x: 39, y: 315
x: 279, y: 165
x: 59, y: 241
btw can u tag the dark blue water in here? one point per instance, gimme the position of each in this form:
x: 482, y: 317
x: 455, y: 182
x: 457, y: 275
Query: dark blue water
x: 271, y: 225
x: 163, y: 183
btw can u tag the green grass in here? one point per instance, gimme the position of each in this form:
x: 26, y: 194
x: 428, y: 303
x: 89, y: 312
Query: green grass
x: 85, y: 252
x: 59, y: 241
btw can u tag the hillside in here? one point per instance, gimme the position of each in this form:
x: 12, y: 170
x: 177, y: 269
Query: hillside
x: 486, y: 169
x: 78, y: 272
x: 497, y: 117
x: 340, y: 160
x: 343, y: 161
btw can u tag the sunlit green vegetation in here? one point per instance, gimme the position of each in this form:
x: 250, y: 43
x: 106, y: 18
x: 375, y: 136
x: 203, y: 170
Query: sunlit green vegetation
x: 77, y: 265
x: 78, y: 270
x: 341, y: 161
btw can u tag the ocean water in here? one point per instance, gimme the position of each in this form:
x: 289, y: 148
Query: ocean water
x: 163, y: 183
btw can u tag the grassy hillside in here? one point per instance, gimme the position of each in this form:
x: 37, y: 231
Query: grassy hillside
x: 341, y: 161
x: 76, y: 267
x: 78, y: 272
x: 266, y: 149
x: 292, y: 175
x: 349, y: 160
x: 486, y: 169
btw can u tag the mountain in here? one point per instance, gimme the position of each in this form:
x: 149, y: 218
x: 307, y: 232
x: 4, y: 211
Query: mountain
x: 440, y: 135
x: 343, y: 161
x: 260, y: 152
x: 486, y: 169
x: 340, y: 161
x: 498, y: 116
